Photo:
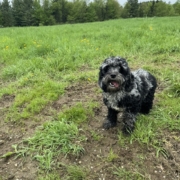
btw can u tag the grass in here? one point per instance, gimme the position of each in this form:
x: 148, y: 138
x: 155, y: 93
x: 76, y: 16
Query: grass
x: 78, y: 113
x: 54, y: 138
x: 57, y: 137
x: 76, y: 173
x: 126, y: 175
x: 111, y: 156
x: 39, y: 63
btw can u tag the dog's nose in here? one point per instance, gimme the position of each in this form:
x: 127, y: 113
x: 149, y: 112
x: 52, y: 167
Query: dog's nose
x: 113, y: 75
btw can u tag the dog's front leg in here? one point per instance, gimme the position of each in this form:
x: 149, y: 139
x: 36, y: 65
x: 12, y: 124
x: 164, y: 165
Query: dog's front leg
x: 129, y: 122
x: 111, y: 120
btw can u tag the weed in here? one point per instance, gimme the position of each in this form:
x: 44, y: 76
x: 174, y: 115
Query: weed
x: 121, y: 139
x: 49, y: 176
x: 96, y: 136
x: 127, y: 174
x: 76, y: 173
x: 111, y: 156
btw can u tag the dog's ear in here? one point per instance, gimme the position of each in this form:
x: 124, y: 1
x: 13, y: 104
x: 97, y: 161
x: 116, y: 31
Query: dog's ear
x: 124, y: 68
x: 100, y: 76
x: 129, y: 82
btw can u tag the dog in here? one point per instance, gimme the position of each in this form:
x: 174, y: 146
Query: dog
x: 124, y: 91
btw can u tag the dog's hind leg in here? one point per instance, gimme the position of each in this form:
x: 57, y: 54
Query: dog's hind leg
x: 111, y: 120
x: 147, y: 104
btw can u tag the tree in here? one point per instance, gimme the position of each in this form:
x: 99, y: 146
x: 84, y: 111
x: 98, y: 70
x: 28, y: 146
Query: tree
x: 37, y: 13
x: 126, y: 11
x: 0, y: 16
x: 59, y: 10
x: 18, y: 12
x: 144, y: 9
x: 170, y: 10
x: 6, y: 14
x: 28, y: 7
x: 133, y: 11
x: 100, y: 8
x: 56, y: 11
x: 113, y: 9
x: 91, y: 15
x: 177, y: 7
x: 77, y: 11
x: 152, y: 9
x: 161, y: 9
x: 47, y: 18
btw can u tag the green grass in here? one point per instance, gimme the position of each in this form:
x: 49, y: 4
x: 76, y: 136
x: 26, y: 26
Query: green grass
x: 39, y: 63
x: 111, y: 156
x: 126, y: 174
x: 57, y: 137
x: 54, y: 138
x: 78, y: 113
x: 76, y: 173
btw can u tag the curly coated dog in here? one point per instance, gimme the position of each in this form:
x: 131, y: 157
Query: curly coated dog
x: 125, y: 91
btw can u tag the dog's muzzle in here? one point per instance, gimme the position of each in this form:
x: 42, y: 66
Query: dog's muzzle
x: 113, y: 83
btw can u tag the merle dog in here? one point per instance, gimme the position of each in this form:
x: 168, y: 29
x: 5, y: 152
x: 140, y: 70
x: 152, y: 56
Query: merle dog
x: 125, y: 91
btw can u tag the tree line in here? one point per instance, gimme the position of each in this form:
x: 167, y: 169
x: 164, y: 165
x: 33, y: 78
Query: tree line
x: 51, y: 12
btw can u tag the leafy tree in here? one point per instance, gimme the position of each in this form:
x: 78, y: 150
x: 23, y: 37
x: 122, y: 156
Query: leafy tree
x: 126, y: 11
x: 144, y: 9
x: 170, y: 10
x: 176, y: 7
x: 77, y: 11
x: 6, y: 14
x: 47, y: 18
x: 28, y: 7
x: 100, y: 8
x: 161, y: 9
x: 59, y: 10
x: 0, y: 16
x: 91, y: 15
x: 113, y: 9
x: 133, y: 11
x: 37, y: 13
x: 18, y: 12
x: 56, y: 11
x: 152, y: 9
x: 0, y: 19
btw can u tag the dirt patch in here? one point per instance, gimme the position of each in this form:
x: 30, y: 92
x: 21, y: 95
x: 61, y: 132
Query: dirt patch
x: 11, y: 134
x: 77, y: 93
x: 103, y: 152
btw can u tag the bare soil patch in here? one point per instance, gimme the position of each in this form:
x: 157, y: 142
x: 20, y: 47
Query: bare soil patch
x: 134, y: 157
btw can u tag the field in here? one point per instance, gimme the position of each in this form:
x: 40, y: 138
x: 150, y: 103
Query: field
x: 51, y: 109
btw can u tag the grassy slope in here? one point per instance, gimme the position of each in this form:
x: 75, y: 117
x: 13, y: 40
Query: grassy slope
x: 38, y: 63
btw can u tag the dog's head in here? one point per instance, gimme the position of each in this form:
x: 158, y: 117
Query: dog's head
x: 114, y: 74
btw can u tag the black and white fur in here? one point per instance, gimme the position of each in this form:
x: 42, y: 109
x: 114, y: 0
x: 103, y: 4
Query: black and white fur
x: 125, y: 91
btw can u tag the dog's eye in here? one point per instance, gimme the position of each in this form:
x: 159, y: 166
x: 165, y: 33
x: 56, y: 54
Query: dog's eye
x: 105, y: 69
x: 120, y: 70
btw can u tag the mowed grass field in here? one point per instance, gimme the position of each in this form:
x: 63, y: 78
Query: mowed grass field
x: 51, y: 108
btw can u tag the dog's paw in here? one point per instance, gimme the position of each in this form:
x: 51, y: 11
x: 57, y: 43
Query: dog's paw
x: 108, y: 124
